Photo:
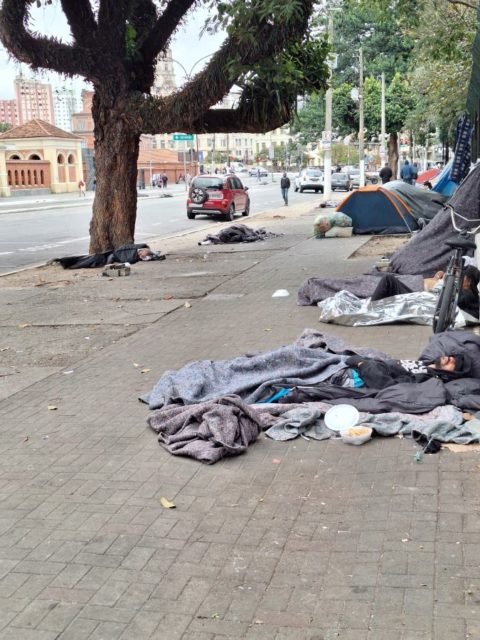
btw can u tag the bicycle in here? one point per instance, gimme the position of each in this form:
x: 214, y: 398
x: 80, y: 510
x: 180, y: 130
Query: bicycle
x: 446, y: 309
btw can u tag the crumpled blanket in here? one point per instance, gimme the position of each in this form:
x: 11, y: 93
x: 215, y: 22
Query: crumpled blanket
x: 207, y: 431
x: 444, y: 423
x: 314, y: 290
x: 238, y: 233
x: 313, y: 358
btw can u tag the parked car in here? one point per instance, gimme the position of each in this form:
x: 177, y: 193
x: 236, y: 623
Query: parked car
x: 371, y: 177
x: 354, y: 177
x: 309, y: 179
x: 222, y: 195
x: 340, y: 181
x: 253, y: 172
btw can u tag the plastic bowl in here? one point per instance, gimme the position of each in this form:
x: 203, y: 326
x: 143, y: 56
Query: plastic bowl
x: 341, y: 417
x: 356, y: 435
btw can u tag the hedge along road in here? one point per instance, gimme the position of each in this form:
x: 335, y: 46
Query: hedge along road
x: 33, y: 233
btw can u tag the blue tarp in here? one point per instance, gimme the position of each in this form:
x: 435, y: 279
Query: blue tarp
x: 443, y: 184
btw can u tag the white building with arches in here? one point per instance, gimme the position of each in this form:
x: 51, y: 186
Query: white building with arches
x: 37, y: 158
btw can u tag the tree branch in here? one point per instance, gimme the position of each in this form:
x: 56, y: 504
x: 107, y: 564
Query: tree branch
x: 112, y: 18
x: 164, y: 28
x: 180, y: 111
x: 463, y: 3
x: 82, y: 23
x: 39, y: 52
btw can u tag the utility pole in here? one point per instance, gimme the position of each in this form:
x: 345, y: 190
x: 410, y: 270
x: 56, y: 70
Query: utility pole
x: 383, y: 155
x: 327, y: 138
x: 361, y: 126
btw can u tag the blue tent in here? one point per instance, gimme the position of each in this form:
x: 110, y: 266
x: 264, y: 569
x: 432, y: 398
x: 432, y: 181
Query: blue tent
x: 374, y: 209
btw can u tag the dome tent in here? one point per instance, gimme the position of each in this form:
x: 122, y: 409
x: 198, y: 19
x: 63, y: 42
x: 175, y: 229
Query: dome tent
x: 392, y: 208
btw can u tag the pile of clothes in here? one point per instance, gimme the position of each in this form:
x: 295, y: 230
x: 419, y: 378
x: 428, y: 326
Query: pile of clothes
x: 238, y: 233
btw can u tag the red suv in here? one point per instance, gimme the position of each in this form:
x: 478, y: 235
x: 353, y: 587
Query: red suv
x: 217, y: 195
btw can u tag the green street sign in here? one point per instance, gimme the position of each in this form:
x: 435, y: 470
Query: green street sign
x: 183, y: 136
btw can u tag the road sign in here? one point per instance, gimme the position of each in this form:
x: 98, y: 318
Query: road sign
x: 183, y: 136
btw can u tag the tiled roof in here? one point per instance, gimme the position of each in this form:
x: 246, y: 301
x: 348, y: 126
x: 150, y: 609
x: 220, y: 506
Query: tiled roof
x: 37, y: 129
x: 157, y: 155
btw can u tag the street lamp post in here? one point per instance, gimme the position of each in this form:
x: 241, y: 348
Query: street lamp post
x: 361, y: 124
x: 327, y: 141
x: 383, y: 155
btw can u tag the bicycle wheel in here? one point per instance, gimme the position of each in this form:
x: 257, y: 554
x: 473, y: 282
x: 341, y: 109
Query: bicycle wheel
x: 444, y: 316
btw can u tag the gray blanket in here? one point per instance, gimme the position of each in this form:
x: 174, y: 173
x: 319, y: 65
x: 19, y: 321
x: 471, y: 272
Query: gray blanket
x: 313, y: 358
x: 207, y: 431
x: 314, y: 290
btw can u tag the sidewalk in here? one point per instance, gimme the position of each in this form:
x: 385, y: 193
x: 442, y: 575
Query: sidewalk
x: 292, y: 541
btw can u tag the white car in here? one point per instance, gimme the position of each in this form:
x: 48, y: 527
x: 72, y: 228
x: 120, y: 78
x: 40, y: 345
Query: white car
x: 309, y: 179
x: 253, y: 172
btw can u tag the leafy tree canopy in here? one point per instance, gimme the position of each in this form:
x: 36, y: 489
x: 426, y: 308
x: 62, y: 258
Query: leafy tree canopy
x: 269, y: 52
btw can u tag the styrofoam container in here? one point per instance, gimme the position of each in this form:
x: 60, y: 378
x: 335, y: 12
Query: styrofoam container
x: 341, y: 416
x: 356, y: 435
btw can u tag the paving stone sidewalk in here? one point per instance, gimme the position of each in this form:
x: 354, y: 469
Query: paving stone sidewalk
x: 299, y: 540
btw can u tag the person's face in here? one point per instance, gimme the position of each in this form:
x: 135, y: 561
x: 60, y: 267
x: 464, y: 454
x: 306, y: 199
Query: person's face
x: 447, y: 363
x: 143, y: 253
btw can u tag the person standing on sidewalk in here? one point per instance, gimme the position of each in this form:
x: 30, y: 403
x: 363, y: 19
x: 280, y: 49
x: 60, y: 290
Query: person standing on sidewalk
x: 385, y: 174
x: 284, y: 187
x: 81, y: 188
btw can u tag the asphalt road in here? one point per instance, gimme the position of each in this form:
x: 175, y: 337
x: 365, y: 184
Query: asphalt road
x: 34, y: 230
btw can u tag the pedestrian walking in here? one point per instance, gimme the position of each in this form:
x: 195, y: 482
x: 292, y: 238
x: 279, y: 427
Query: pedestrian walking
x: 407, y: 173
x: 81, y: 188
x: 385, y: 174
x: 259, y: 174
x: 414, y: 172
x: 284, y: 187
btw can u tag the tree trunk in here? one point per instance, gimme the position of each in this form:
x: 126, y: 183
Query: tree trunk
x: 116, y: 156
x: 392, y: 147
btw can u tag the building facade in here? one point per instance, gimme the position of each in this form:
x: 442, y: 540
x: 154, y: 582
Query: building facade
x: 34, y: 100
x: 82, y: 121
x: 9, y: 112
x: 38, y: 157
x: 164, y: 83
x: 65, y: 105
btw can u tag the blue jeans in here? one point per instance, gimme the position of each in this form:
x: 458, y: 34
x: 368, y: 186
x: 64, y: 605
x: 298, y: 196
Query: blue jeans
x: 284, y: 191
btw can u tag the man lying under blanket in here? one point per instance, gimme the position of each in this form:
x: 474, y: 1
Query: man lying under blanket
x: 211, y: 409
x: 130, y: 253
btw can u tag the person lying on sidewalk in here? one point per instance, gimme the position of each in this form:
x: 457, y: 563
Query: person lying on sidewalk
x: 378, y: 374
x: 130, y: 253
x: 468, y: 299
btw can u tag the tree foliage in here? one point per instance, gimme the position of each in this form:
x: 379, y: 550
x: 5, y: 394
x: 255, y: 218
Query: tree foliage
x: 269, y: 52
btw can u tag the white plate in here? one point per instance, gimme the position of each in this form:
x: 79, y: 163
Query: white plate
x: 341, y: 416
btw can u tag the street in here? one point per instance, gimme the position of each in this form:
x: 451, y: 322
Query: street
x: 35, y: 230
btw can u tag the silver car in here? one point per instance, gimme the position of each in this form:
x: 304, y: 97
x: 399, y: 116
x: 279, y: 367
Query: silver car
x: 309, y: 179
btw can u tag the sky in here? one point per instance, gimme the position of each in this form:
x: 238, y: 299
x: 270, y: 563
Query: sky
x: 49, y: 20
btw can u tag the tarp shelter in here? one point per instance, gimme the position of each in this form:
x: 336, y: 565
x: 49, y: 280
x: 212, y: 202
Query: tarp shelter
x: 374, y: 209
x: 442, y: 183
x: 422, y: 203
x: 427, y: 252
x: 429, y: 174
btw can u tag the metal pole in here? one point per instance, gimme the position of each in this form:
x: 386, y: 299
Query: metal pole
x: 213, y: 153
x: 361, y: 126
x: 185, y: 164
x: 383, y: 155
x: 327, y: 157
